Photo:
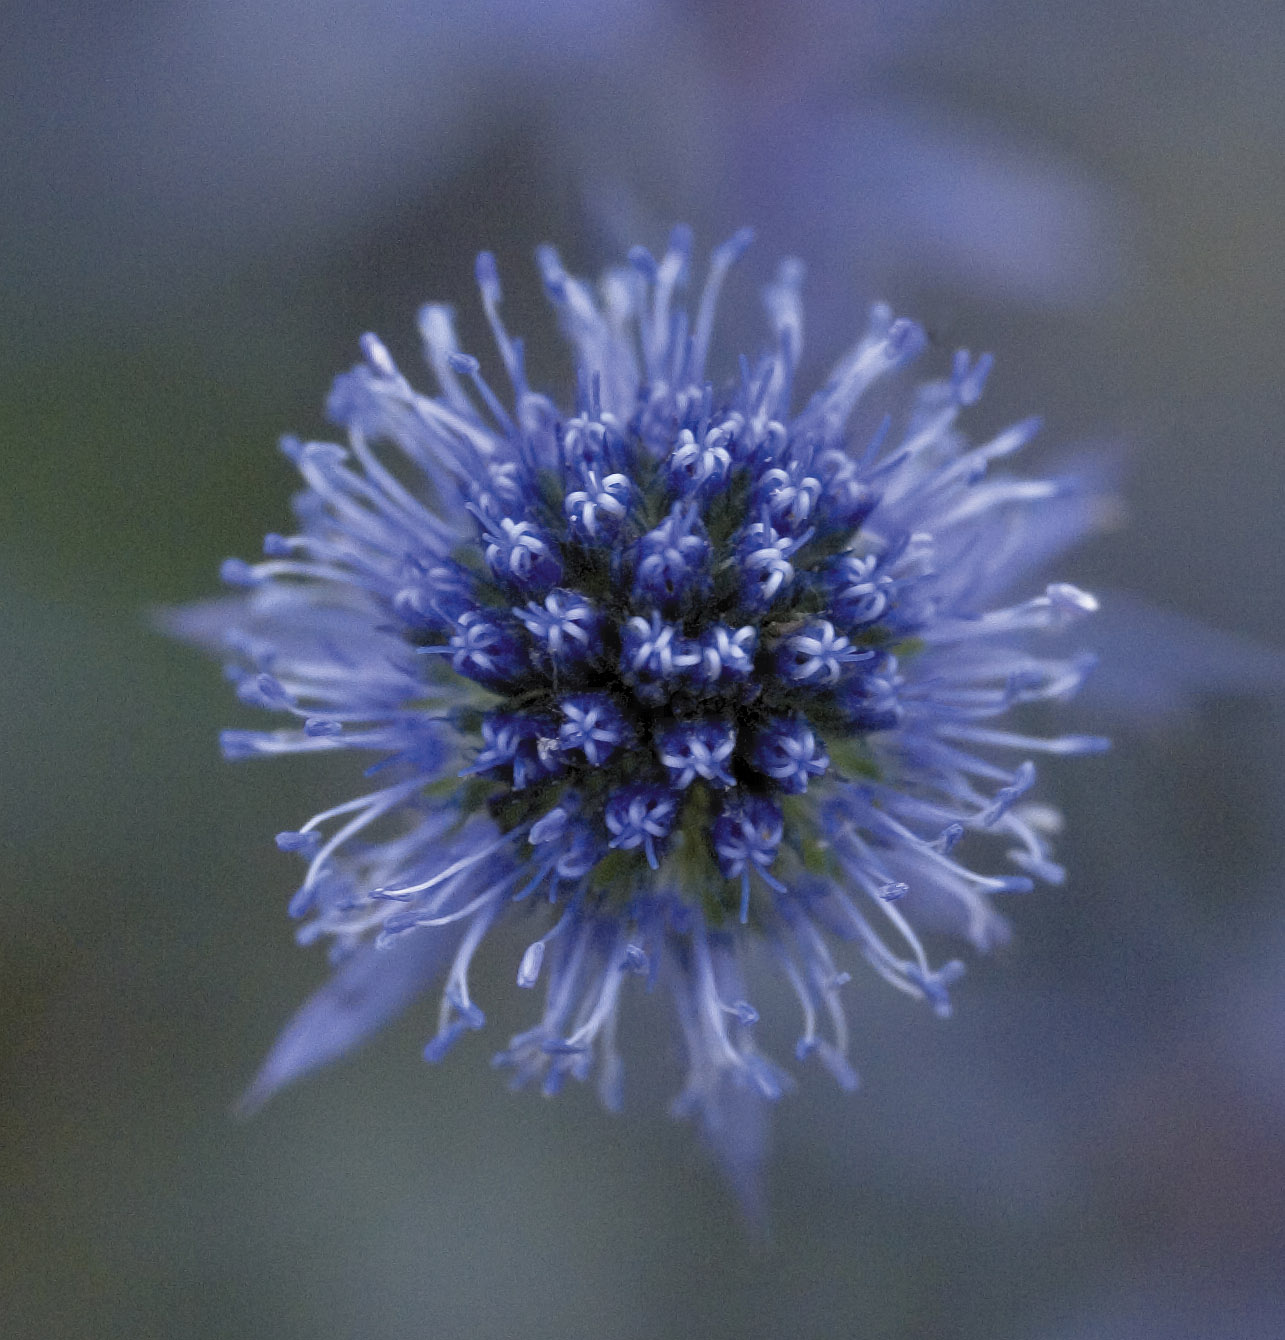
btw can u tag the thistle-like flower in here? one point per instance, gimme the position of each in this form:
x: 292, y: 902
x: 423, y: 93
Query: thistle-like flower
x: 674, y: 674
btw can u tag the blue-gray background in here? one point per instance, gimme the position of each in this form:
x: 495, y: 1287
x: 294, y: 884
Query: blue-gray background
x: 203, y: 205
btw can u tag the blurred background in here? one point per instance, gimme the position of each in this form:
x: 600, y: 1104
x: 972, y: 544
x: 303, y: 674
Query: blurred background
x: 204, y: 205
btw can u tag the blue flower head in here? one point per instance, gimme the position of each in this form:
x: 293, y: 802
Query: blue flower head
x: 684, y: 674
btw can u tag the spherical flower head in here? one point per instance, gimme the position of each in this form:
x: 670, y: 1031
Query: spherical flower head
x: 685, y: 675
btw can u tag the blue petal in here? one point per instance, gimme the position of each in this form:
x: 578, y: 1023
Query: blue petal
x: 734, y: 1125
x: 981, y: 205
x: 1162, y: 663
x: 368, y: 991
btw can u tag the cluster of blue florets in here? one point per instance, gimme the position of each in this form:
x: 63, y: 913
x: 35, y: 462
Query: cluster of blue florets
x: 698, y: 669
x: 668, y: 607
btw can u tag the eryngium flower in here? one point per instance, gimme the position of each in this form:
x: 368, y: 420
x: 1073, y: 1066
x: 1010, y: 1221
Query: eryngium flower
x: 675, y: 675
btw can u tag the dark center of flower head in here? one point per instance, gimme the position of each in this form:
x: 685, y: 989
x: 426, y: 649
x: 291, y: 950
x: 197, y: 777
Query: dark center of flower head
x: 682, y: 632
